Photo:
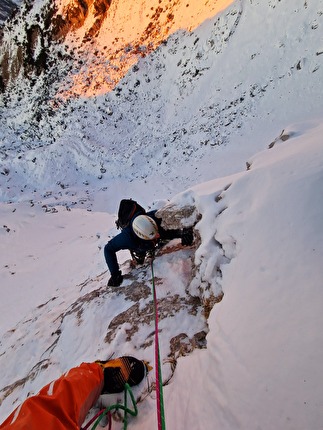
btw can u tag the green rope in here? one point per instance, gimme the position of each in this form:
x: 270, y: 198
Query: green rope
x: 125, y: 408
x: 159, y: 379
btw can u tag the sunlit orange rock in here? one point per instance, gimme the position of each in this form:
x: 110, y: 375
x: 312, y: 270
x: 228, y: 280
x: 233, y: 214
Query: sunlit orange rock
x: 110, y: 36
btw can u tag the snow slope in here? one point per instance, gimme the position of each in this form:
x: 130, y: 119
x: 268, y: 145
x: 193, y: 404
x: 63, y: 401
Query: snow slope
x: 261, y: 242
x: 214, y: 140
x: 237, y: 79
x: 264, y: 357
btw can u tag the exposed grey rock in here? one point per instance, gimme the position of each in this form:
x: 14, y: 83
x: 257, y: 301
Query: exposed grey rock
x: 175, y: 217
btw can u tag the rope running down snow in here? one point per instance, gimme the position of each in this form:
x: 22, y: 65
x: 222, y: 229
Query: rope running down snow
x: 159, y: 380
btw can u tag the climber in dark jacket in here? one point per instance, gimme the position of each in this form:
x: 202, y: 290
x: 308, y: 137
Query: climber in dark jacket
x: 140, y: 234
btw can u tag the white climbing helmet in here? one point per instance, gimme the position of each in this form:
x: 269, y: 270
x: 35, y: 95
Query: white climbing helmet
x: 145, y: 227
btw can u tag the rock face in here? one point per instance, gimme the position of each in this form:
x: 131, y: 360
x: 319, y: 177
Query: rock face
x: 6, y: 8
x: 24, y: 45
x: 175, y: 217
x: 129, y: 29
x: 74, y: 15
x: 28, y: 37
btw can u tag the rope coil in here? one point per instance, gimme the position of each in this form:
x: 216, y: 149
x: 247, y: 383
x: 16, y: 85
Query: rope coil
x: 107, y: 411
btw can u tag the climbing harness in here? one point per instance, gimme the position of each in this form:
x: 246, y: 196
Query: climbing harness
x: 159, y: 380
x: 117, y: 406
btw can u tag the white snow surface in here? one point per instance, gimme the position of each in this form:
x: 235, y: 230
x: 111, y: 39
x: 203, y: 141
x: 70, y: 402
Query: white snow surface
x: 261, y: 236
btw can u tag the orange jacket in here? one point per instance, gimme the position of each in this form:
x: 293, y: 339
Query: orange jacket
x: 62, y: 404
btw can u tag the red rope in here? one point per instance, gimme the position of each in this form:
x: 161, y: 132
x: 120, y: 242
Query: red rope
x: 159, y: 381
x: 95, y: 417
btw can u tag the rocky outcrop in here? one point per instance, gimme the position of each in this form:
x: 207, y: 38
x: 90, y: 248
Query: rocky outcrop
x: 24, y: 52
x: 74, y: 15
x: 6, y: 8
x: 28, y: 36
x: 175, y: 217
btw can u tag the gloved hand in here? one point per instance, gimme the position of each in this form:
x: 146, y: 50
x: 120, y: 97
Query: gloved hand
x: 115, y: 280
x: 187, y: 236
x: 122, y: 370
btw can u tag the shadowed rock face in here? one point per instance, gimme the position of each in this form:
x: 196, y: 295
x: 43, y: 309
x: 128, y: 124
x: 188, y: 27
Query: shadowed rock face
x: 30, y: 55
x: 27, y: 55
x: 6, y: 8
